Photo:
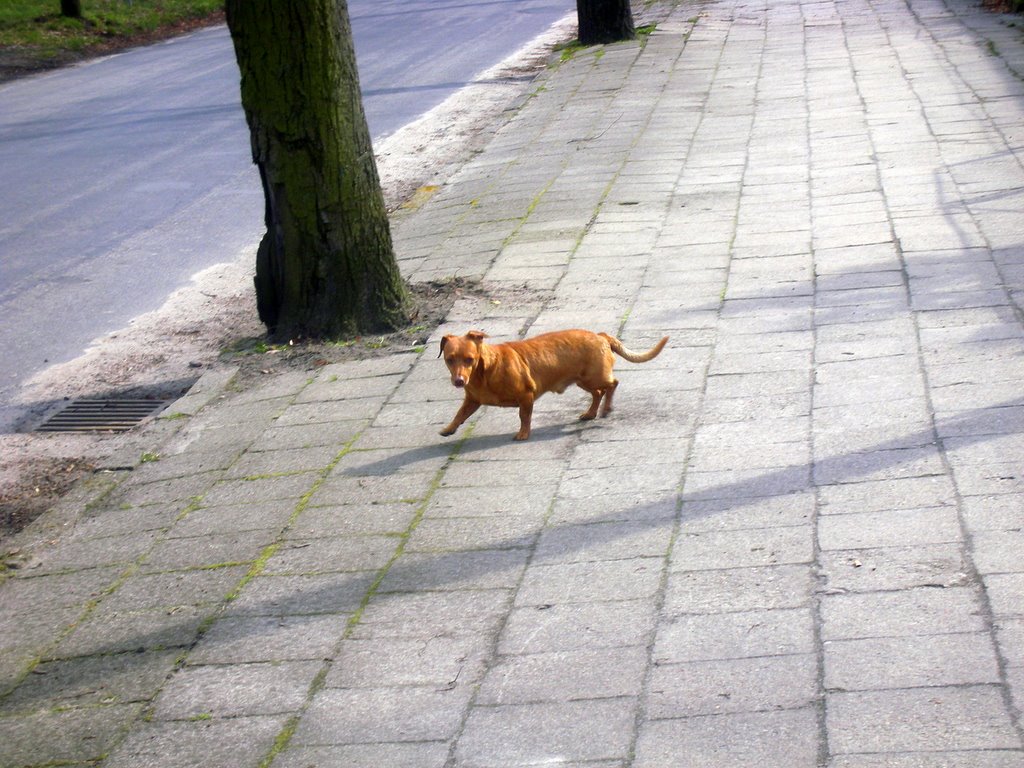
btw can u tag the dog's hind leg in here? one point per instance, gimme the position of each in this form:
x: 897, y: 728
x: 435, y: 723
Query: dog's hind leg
x: 608, y: 392
x: 595, y: 401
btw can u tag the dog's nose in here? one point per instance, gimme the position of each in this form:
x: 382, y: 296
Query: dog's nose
x: 459, y: 382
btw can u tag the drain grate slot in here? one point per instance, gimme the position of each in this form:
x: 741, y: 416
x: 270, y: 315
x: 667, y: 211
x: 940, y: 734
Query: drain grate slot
x: 101, y: 415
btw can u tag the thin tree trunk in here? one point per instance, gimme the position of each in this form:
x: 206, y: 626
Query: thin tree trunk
x: 71, y: 8
x: 326, y: 266
x: 604, y: 21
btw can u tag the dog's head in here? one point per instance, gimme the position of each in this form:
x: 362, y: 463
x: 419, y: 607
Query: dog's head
x: 462, y: 355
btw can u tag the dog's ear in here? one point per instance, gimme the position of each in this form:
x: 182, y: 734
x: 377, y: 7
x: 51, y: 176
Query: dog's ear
x: 444, y: 340
x: 477, y: 337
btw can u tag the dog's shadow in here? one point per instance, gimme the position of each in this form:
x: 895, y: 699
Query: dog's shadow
x: 466, y: 446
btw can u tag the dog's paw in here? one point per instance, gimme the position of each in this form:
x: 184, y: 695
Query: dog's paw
x: 446, y: 432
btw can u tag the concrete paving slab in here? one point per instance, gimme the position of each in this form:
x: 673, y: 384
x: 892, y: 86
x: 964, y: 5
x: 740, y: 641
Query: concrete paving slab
x: 775, y: 738
x: 569, y: 732
x: 702, y: 688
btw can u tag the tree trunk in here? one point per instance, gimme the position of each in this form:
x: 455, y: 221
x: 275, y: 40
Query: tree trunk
x: 325, y: 267
x: 71, y: 8
x: 604, y: 21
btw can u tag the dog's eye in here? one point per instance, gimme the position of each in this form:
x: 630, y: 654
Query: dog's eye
x: 468, y: 361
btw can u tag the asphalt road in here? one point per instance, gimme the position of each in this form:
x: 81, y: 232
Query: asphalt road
x: 122, y: 178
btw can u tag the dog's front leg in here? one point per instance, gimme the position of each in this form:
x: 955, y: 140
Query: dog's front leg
x: 525, y: 417
x: 469, y: 407
x: 595, y: 401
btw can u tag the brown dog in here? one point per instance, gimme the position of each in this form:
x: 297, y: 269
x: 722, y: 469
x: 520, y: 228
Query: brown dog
x: 518, y: 372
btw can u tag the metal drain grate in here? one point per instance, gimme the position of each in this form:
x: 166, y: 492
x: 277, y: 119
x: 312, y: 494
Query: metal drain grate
x: 101, y: 415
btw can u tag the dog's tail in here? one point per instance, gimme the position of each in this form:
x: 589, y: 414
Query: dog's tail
x: 634, y: 357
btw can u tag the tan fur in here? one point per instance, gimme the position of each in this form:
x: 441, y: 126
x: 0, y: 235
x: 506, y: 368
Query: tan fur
x: 516, y: 373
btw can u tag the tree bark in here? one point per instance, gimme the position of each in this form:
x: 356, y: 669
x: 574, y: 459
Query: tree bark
x: 326, y: 266
x: 71, y: 8
x: 604, y: 21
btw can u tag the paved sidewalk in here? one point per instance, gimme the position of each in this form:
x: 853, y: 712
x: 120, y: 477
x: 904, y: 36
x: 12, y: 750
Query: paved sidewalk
x: 799, y: 540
